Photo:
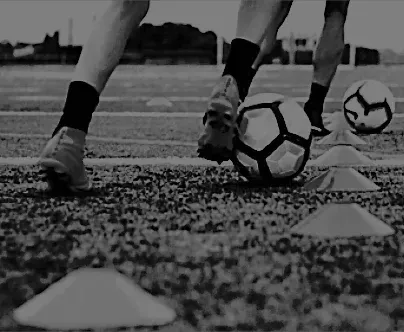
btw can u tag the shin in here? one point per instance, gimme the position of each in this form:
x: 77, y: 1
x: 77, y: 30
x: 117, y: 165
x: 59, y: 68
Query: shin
x: 331, y: 44
x: 272, y: 32
x: 104, y: 48
x: 257, y: 19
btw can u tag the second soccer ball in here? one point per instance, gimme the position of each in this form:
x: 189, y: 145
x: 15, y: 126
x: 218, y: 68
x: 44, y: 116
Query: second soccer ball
x: 274, y: 139
x: 368, y: 106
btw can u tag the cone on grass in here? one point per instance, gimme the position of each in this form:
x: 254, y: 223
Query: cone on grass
x: 93, y: 298
x: 343, y: 155
x: 341, y: 137
x: 341, y: 179
x: 338, y: 122
x: 160, y: 102
x: 342, y: 220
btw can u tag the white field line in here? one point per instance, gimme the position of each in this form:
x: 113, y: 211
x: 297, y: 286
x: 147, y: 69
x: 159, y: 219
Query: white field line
x: 327, y: 116
x: 111, y: 98
x: 125, y: 72
x: 113, y: 140
x: 296, y: 88
x: 111, y: 114
x: 173, y: 161
x: 303, y: 86
x: 148, y: 98
x: 131, y: 85
x: 140, y: 99
x: 299, y: 67
x: 19, y: 90
x: 263, y: 84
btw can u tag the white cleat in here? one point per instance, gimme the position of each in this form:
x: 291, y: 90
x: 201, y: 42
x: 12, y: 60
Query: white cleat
x: 62, y: 161
x: 216, y: 141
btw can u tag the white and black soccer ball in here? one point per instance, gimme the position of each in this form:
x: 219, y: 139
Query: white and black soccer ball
x: 274, y: 139
x: 368, y: 106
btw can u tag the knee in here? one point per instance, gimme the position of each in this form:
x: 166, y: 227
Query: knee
x: 334, y: 31
x: 336, y: 12
x: 334, y: 23
x: 131, y: 7
x: 329, y: 49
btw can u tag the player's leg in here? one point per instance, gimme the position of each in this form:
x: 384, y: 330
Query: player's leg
x: 255, y: 19
x: 62, y: 158
x: 327, y: 57
x: 267, y: 45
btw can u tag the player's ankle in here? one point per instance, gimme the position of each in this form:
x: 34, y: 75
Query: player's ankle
x: 67, y: 123
x: 81, y: 102
x: 312, y: 107
x: 317, y: 97
x: 250, y: 77
x: 81, y: 95
x: 243, y: 54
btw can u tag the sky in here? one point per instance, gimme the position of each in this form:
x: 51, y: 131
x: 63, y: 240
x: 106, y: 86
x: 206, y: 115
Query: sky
x: 376, y: 24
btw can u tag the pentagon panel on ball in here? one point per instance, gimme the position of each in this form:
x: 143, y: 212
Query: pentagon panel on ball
x: 274, y: 139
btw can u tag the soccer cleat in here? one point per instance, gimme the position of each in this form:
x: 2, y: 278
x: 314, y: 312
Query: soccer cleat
x: 317, y: 126
x: 62, y: 161
x: 216, y: 142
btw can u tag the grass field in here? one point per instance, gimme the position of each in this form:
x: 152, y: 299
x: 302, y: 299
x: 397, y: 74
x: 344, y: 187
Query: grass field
x: 214, y: 249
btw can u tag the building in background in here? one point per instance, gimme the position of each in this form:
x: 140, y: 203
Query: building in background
x: 172, y: 44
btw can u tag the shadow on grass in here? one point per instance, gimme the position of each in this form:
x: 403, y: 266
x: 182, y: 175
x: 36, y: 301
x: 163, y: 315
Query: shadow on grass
x: 94, y: 192
x: 47, y: 194
x: 9, y: 324
x: 258, y: 186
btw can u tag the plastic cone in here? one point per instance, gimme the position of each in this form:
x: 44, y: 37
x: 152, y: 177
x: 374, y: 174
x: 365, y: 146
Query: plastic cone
x: 341, y: 137
x: 341, y: 179
x: 342, y: 220
x: 338, y: 122
x: 159, y: 101
x: 343, y: 155
x: 93, y: 299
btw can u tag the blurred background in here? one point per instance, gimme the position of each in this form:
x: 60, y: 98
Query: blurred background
x: 194, y: 32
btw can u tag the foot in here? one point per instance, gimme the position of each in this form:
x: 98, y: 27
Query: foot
x: 62, y: 161
x: 216, y: 142
x: 317, y: 126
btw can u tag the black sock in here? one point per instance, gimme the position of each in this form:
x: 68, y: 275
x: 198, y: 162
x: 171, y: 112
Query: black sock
x: 249, y: 78
x: 81, y: 101
x: 242, y: 56
x: 317, y: 96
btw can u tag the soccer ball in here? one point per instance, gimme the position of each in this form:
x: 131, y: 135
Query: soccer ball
x: 368, y: 106
x: 274, y: 139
